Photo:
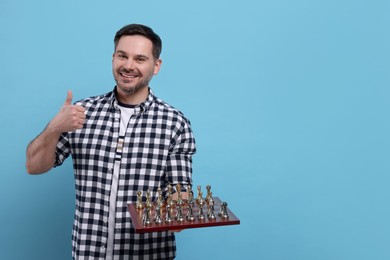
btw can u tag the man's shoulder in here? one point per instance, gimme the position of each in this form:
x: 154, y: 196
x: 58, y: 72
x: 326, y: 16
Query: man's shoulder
x: 166, y: 108
x: 98, y: 100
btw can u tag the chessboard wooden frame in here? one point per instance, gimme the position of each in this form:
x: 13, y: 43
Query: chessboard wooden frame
x: 136, y: 217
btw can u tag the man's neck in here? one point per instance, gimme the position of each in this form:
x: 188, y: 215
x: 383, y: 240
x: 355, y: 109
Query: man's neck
x: 132, y: 99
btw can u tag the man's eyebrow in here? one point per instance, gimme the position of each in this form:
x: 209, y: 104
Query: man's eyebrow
x: 121, y: 52
x: 137, y: 55
x: 142, y: 56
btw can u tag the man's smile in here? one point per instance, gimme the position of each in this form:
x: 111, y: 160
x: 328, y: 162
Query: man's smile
x: 129, y: 75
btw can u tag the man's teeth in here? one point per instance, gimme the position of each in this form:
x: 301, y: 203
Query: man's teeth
x: 128, y: 76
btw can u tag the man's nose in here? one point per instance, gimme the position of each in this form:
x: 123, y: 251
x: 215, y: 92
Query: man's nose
x: 129, y: 64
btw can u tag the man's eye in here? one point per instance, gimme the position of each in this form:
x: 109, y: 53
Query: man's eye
x: 121, y: 56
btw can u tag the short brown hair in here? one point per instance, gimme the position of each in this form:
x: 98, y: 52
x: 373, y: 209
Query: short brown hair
x: 139, y: 29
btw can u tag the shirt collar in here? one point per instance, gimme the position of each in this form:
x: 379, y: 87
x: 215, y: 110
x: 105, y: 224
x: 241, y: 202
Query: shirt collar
x: 144, y: 106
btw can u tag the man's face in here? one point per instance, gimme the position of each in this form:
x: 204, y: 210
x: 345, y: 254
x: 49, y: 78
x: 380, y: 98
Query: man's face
x: 133, y: 64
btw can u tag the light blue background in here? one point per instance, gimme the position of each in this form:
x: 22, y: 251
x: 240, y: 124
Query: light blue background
x: 289, y: 102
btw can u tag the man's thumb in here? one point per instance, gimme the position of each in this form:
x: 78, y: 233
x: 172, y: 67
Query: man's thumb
x: 69, y: 98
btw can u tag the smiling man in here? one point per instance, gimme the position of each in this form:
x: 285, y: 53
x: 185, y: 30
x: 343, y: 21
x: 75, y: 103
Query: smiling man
x: 133, y: 67
x: 121, y: 142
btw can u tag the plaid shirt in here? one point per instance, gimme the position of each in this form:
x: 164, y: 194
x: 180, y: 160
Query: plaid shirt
x: 157, y: 150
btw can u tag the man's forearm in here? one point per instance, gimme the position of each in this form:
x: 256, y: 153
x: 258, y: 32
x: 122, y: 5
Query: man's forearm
x: 40, y: 154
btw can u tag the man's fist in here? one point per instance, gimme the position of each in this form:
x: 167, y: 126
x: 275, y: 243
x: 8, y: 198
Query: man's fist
x: 69, y: 118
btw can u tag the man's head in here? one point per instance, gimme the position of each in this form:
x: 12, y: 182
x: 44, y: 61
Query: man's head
x: 139, y: 29
x: 135, y: 61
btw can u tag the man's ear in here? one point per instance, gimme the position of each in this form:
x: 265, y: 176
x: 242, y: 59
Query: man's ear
x: 157, y: 66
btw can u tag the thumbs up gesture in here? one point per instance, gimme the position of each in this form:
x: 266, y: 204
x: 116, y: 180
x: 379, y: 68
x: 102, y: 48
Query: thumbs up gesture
x: 69, y: 118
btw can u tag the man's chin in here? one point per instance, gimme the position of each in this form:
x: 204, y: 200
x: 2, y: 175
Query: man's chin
x: 130, y: 90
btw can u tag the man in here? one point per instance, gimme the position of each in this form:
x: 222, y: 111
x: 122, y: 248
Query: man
x: 121, y: 142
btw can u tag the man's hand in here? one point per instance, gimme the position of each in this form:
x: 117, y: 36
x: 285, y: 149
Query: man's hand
x: 40, y: 154
x: 69, y: 118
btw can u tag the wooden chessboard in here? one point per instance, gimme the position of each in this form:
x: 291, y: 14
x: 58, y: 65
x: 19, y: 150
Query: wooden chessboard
x: 136, y: 217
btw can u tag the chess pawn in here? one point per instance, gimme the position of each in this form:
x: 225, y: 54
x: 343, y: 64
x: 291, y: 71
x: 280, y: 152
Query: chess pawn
x: 168, y: 216
x: 200, y: 203
x: 210, y: 209
x: 157, y: 218
x: 146, y: 216
x: 223, y: 210
x: 201, y: 215
x: 170, y: 201
x: 190, y: 215
x: 179, y: 196
x: 139, y: 203
x: 179, y: 216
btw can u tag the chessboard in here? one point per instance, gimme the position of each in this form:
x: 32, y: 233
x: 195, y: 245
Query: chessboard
x: 181, y: 214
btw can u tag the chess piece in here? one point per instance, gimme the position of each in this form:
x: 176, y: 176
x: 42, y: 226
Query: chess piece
x: 148, y: 202
x: 139, y: 203
x: 190, y: 202
x: 146, y: 216
x: 157, y: 217
x: 168, y: 216
x: 190, y: 194
x: 200, y: 194
x: 223, y: 210
x: 179, y: 215
x: 179, y: 204
x: 179, y: 195
x: 200, y: 202
x: 190, y: 216
x: 210, y: 208
x: 169, y: 200
x: 160, y: 200
x: 201, y: 215
x: 208, y: 194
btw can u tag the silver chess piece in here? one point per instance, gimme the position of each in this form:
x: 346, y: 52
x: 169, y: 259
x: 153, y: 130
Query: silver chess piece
x: 210, y: 208
x: 146, y: 216
x: 157, y: 217
x: 223, y: 210
x: 168, y: 216
x: 170, y: 201
x: 190, y: 215
x: 179, y: 215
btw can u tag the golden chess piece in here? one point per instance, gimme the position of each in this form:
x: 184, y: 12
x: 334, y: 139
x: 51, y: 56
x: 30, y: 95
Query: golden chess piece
x: 208, y: 194
x: 160, y: 200
x: 139, y: 203
x: 148, y: 202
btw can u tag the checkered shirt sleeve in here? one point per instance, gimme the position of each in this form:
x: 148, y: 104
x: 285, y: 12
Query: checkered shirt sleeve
x: 157, y: 151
